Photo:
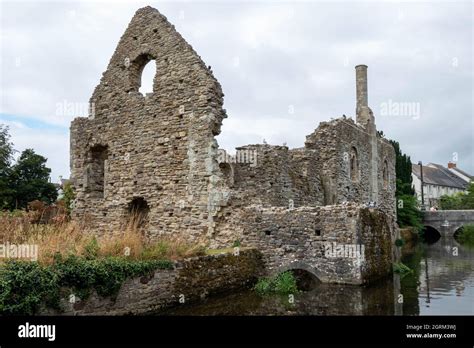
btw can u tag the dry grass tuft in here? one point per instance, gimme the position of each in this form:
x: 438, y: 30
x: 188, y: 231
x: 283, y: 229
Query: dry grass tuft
x: 70, y: 237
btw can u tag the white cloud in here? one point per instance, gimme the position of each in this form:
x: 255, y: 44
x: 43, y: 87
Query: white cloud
x: 300, y: 54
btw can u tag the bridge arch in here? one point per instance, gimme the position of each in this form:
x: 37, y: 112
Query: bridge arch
x: 431, y: 234
x: 300, y: 265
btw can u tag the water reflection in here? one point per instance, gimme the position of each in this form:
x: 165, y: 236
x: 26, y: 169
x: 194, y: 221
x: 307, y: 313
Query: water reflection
x: 442, y: 283
x: 324, y: 299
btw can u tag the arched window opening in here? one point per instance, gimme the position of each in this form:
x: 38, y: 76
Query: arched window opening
x: 354, y: 165
x: 148, y: 75
x: 142, y: 72
x: 96, y: 169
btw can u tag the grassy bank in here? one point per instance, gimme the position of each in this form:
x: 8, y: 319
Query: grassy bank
x: 71, y: 258
x: 27, y: 286
x: 66, y: 238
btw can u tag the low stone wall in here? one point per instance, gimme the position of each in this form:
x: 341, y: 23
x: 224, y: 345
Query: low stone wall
x: 302, y: 238
x: 190, y: 280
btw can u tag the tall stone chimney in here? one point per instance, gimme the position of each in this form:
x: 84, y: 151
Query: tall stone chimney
x: 364, y: 115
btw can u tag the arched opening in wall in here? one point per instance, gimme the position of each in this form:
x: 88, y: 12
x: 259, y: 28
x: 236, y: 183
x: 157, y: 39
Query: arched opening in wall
x: 147, y: 77
x: 228, y: 173
x: 305, y: 281
x: 430, y: 235
x: 385, y: 175
x: 354, y: 165
x: 141, y: 74
x: 138, y: 211
x: 95, y: 171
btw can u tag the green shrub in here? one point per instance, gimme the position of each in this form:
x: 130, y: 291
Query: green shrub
x: 408, y: 213
x: 263, y: 286
x: 283, y: 283
x: 401, y: 268
x: 459, y: 200
x: 26, y: 286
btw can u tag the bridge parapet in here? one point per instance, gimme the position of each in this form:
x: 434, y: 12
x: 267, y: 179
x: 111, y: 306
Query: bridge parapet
x: 447, y: 222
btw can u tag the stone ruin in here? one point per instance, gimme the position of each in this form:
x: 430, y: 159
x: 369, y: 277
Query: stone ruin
x: 156, y: 155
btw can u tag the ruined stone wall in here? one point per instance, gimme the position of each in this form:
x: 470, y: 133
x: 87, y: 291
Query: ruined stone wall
x: 337, y: 142
x: 298, y: 238
x: 277, y: 176
x: 336, y: 166
x: 158, y: 154
x: 159, y: 147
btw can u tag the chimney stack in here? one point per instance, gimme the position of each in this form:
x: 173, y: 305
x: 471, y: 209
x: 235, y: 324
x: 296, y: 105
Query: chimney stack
x: 451, y: 165
x: 361, y: 86
x: 364, y: 115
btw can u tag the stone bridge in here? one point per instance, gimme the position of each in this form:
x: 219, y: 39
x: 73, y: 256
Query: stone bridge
x: 447, y: 222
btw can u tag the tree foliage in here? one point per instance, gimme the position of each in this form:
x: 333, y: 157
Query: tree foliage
x: 6, y: 158
x: 68, y: 196
x: 408, y: 213
x: 403, y: 171
x: 26, y: 180
x: 459, y: 200
x: 30, y: 180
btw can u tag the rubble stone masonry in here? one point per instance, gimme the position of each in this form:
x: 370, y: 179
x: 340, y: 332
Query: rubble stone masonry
x: 156, y: 154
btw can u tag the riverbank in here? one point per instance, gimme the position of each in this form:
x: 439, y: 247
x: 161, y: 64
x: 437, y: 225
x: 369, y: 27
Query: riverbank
x: 186, y: 282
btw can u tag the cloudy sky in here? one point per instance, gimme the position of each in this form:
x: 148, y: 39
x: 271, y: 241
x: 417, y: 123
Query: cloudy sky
x: 284, y: 67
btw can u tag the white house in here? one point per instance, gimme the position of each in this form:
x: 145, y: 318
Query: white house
x: 438, y: 181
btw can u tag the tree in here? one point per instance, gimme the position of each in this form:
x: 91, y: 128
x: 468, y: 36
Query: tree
x: 68, y: 197
x: 30, y: 180
x: 6, y: 158
x: 451, y: 202
x: 403, y: 171
x: 468, y: 198
x: 408, y: 213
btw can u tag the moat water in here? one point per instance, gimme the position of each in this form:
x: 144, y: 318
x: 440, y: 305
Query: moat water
x: 442, y: 283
